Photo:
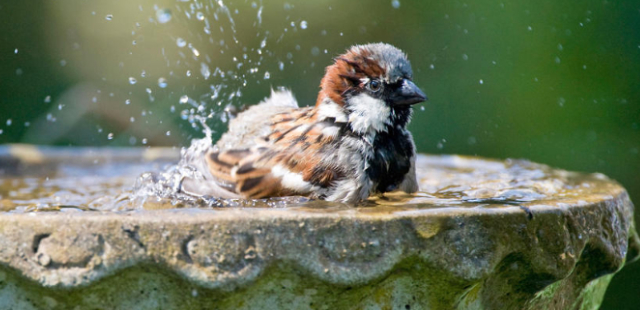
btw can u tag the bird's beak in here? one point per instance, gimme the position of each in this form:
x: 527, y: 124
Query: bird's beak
x: 407, y: 94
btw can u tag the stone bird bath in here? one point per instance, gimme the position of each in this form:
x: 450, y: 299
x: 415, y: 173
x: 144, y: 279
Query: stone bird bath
x: 481, y: 234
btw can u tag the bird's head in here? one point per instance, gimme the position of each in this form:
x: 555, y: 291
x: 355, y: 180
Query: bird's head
x: 373, y: 84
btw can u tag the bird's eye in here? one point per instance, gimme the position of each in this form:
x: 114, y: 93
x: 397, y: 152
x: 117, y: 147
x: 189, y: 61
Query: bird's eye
x: 375, y: 85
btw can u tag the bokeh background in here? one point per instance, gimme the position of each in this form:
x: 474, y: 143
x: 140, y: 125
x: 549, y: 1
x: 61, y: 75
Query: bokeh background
x: 556, y: 82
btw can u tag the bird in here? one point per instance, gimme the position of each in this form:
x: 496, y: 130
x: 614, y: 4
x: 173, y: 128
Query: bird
x: 352, y: 144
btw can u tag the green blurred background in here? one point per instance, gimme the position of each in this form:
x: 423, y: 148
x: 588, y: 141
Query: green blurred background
x: 551, y: 81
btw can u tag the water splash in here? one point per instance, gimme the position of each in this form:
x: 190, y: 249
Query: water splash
x: 100, y: 181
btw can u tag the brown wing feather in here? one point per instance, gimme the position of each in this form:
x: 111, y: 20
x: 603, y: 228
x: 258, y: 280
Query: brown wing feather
x: 236, y: 169
x: 295, y: 142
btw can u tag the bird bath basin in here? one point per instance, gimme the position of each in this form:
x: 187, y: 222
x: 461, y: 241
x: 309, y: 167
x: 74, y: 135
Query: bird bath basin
x: 481, y: 234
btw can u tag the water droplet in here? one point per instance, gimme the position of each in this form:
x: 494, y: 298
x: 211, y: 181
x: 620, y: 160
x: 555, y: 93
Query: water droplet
x: 63, y: 63
x: 195, y: 52
x: 560, y: 48
x: 110, y: 136
x: 472, y: 140
x: 561, y: 101
x: 205, y: 71
x: 263, y: 43
x: 9, y: 122
x: 529, y: 28
x: 19, y: 71
x: 557, y: 60
x: 200, y: 16
x: 60, y: 106
x: 184, y: 99
x: 188, y: 73
x: 481, y: 82
x: 422, y: 108
x: 148, y: 90
x: 315, y: 51
x: 27, y: 124
x: 163, y: 16
x: 144, y: 141
x: 395, y: 4
x: 181, y: 42
x: 132, y: 80
x: 108, y: 17
x: 267, y: 75
x: 168, y: 133
x: 432, y: 66
x: 281, y: 65
x: 132, y: 119
x: 162, y: 82
x: 47, y: 99
x: 127, y: 102
x: 303, y: 24
x: 15, y: 51
x: 1, y: 131
x: 465, y: 57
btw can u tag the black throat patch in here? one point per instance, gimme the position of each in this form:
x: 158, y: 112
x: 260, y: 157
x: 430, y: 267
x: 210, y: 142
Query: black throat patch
x: 391, y: 160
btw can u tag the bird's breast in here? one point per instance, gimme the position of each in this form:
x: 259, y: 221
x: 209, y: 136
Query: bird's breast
x: 390, y: 160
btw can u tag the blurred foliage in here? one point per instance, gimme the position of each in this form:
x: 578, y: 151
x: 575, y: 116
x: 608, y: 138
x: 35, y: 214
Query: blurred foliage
x: 551, y: 81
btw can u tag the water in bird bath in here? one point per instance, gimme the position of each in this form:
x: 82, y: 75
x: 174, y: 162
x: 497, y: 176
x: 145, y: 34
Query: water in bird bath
x: 76, y: 180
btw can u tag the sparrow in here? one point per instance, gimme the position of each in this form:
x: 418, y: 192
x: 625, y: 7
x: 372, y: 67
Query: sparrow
x: 352, y: 144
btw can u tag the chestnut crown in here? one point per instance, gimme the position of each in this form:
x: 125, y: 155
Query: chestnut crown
x: 379, y: 69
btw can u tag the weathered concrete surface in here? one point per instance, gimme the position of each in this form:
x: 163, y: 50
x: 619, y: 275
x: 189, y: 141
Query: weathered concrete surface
x: 251, y: 259
x: 560, y: 254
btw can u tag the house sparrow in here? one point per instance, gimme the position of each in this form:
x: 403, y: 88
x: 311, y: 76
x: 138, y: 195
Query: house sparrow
x: 353, y: 143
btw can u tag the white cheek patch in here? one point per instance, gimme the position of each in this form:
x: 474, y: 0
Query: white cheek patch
x: 330, y: 109
x: 368, y: 114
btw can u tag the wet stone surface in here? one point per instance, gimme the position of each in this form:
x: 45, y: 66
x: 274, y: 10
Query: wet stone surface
x: 481, y: 234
